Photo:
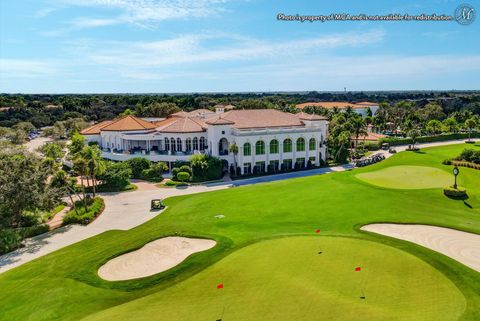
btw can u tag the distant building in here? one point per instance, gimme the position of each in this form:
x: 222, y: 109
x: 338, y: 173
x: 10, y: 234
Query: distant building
x: 267, y: 139
x: 360, y: 108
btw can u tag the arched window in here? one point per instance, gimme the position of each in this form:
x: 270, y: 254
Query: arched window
x: 287, y: 145
x: 260, y: 148
x: 247, y: 149
x: 179, y: 144
x: 172, y: 143
x: 195, y: 143
x: 223, y: 146
x: 311, y: 144
x: 274, y: 146
x: 167, y: 143
x: 300, y: 144
x: 188, y: 143
x: 202, y: 143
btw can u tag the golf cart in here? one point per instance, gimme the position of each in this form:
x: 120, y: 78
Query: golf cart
x: 157, y: 204
x: 385, y: 146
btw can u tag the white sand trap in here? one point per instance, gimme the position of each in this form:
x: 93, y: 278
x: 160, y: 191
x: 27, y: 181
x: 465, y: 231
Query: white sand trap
x: 153, y: 258
x: 461, y: 246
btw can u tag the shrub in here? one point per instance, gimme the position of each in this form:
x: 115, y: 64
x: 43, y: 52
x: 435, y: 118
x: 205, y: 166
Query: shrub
x: 137, y: 165
x: 155, y: 172
x: 82, y: 215
x: 9, y: 240
x: 170, y: 183
x: 206, y: 167
x: 459, y: 192
x: 469, y: 155
x: 186, y: 168
x: 183, y: 176
x: 394, y: 141
x: 175, y: 172
x: 116, y: 175
x: 34, y: 230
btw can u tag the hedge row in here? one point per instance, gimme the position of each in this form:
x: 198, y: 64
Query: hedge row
x: 82, y: 215
x: 462, y: 164
x: 394, y: 141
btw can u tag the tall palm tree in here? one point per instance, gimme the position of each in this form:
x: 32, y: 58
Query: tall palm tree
x: 470, y: 124
x: 359, y: 127
x: 234, y: 150
x: 60, y: 179
x: 95, y: 164
x: 80, y: 166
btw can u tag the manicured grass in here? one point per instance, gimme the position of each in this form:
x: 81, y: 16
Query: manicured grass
x: 286, y: 279
x: 64, y: 285
x: 408, y: 177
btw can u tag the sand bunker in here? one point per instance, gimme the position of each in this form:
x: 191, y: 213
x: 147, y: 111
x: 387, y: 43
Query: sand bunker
x: 153, y: 258
x: 461, y: 246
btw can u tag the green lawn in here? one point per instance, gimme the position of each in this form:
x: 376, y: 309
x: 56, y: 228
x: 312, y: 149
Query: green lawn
x: 408, y: 177
x: 64, y: 285
x: 286, y: 279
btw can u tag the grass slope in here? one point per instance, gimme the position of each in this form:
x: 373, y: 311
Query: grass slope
x: 64, y: 285
x: 286, y: 279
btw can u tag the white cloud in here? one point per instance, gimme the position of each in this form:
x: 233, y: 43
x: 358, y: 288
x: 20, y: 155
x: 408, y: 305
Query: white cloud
x: 203, y: 47
x: 144, y: 13
x: 25, y: 68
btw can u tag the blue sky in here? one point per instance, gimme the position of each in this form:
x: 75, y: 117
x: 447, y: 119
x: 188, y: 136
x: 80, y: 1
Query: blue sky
x: 144, y: 46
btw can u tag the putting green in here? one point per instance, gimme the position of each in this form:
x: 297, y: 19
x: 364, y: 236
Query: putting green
x: 286, y: 279
x: 408, y: 177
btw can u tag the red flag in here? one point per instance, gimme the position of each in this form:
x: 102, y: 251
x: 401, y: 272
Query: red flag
x: 317, y: 231
x: 357, y: 269
x: 220, y: 286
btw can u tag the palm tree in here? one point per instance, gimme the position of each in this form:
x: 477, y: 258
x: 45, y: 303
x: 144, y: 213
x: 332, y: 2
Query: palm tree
x: 470, y: 124
x: 61, y: 180
x: 359, y: 128
x: 414, y: 134
x: 95, y: 164
x: 434, y: 126
x: 234, y: 150
x: 80, y: 166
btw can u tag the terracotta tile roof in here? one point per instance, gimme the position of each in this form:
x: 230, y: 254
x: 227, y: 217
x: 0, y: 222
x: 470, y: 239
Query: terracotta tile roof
x: 366, y: 103
x: 128, y: 123
x: 179, y: 114
x: 219, y: 121
x: 338, y: 104
x: 181, y: 125
x: 258, y: 118
x: 198, y: 112
x: 305, y: 116
x: 95, y: 129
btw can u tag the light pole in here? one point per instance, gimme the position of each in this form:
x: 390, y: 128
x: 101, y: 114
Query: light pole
x: 456, y: 171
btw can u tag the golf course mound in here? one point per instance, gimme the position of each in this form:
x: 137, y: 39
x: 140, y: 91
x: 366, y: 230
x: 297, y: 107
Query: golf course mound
x: 305, y: 278
x: 407, y: 177
x: 461, y: 246
x: 153, y: 258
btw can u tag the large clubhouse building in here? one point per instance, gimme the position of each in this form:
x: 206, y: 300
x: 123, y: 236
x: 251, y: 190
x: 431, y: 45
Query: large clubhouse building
x: 266, y: 139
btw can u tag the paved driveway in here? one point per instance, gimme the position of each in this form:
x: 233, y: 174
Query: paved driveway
x: 123, y: 211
